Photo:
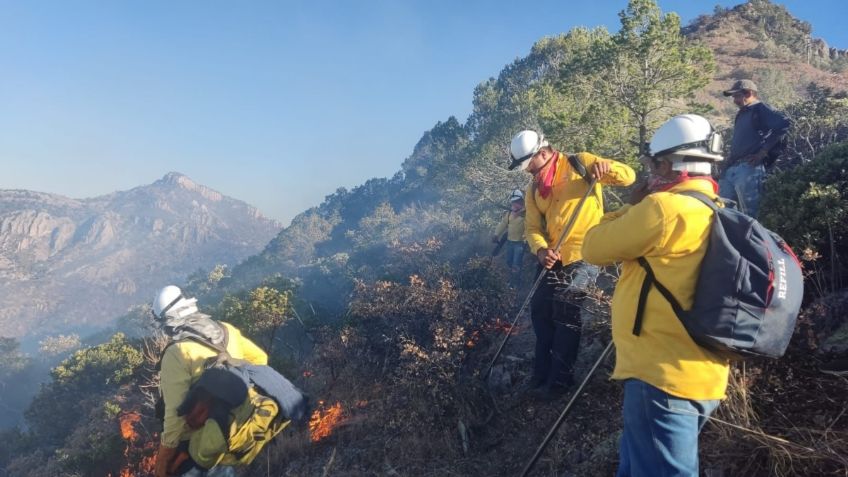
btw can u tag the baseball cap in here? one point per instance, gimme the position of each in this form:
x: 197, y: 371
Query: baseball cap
x: 740, y: 85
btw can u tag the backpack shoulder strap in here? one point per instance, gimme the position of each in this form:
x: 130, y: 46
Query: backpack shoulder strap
x: 651, y: 280
x: 223, y: 355
x: 220, y: 349
x: 704, y: 198
x: 578, y: 166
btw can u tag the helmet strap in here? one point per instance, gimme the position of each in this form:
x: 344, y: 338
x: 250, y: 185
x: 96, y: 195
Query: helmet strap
x: 170, y: 305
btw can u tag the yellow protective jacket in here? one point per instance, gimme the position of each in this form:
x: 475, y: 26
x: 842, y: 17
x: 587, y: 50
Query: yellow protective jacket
x: 546, y: 217
x: 671, y: 231
x: 513, y: 225
x: 181, y: 366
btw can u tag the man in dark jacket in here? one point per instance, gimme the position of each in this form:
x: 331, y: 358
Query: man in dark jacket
x: 757, y: 132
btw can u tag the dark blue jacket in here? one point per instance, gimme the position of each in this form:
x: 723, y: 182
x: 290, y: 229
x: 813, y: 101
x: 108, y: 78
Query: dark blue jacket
x: 757, y: 126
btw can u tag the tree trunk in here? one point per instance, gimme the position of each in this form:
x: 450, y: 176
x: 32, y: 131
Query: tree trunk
x: 643, y: 137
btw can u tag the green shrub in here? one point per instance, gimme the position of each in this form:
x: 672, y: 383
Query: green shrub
x: 80, y: 383
x: 808, y: 206
x: 107, y: 364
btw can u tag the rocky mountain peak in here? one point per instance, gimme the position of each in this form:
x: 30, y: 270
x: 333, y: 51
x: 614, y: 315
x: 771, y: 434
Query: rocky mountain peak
x: 182, y: 181
x: 175, y: 178
x: 58, y: 254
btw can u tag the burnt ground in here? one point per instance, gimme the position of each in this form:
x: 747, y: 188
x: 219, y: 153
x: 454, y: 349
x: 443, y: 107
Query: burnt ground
x: 781, y: 417
x: 496, y: 434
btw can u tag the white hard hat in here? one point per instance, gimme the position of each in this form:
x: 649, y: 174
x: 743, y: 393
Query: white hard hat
x: 524, y: 145
x: 516, y: 195
x: 687, y: 137
x: 170, y: 302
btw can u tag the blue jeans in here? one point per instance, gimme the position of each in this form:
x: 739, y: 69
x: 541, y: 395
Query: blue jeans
x: 514, y: 254
x: 660, y: 437
x: 743, y: 183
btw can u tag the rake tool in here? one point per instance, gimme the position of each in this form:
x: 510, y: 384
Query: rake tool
x: 568, y: 226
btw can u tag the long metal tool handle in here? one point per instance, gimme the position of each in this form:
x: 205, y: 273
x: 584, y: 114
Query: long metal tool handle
x: 562, y: 236
x: 565, y: 411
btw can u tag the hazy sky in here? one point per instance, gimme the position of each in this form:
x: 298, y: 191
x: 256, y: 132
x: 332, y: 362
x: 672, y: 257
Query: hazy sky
x: 277, y: 103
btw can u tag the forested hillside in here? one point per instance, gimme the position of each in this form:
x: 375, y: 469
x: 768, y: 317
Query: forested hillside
x: 384, y: 304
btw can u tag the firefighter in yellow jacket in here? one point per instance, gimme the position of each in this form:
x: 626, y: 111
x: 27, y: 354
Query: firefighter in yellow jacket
x: 182, y: 364
x: 513, y: 226
x: 671, y: 385
x: 551, y: 199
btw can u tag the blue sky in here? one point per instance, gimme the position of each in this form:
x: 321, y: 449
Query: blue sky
x: 276, y: 103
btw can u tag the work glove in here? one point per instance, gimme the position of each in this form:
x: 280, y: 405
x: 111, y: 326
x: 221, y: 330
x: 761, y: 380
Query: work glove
x: 164, y: 457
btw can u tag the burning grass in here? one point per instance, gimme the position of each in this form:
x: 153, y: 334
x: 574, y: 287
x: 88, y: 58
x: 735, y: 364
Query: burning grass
x: 139, y: 453
x: 324, y: 421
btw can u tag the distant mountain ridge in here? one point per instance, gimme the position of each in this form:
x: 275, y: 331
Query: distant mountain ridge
x: 69, y: 263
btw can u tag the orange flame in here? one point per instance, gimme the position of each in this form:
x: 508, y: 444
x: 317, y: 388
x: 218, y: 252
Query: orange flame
x: 473, y: 339
x: 503, y: 327
x: 147, y: 462
x: 322, y: 423
x: 307, y: 374
x: 128, y: 421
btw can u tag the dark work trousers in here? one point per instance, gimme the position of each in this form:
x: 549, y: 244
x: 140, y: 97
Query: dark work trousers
x: 555, y: 314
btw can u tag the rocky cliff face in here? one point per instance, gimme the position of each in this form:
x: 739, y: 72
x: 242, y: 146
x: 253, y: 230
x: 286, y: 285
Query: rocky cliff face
x: 78, y: 264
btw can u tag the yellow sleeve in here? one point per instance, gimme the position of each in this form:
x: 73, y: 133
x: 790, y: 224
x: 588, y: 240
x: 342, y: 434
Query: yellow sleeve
x: 208, y: 445
x: 174, y: 382
x: 533, y: 224
x: 252, y: 353
x: 249, y: 350
x: 615, y: 213
x: 502, y: 226
x: 620, y: 174
x: 626, y: 234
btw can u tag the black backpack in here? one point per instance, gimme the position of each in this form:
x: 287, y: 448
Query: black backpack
x: 749, y: 289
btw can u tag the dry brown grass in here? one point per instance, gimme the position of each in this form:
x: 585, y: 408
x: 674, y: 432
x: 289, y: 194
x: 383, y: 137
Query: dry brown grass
x: 782, y: 417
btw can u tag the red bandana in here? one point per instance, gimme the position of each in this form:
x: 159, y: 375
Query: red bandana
x: 546, y: 185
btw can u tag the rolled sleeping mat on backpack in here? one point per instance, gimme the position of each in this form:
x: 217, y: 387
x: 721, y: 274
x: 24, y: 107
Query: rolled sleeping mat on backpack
x: 293, y: 403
